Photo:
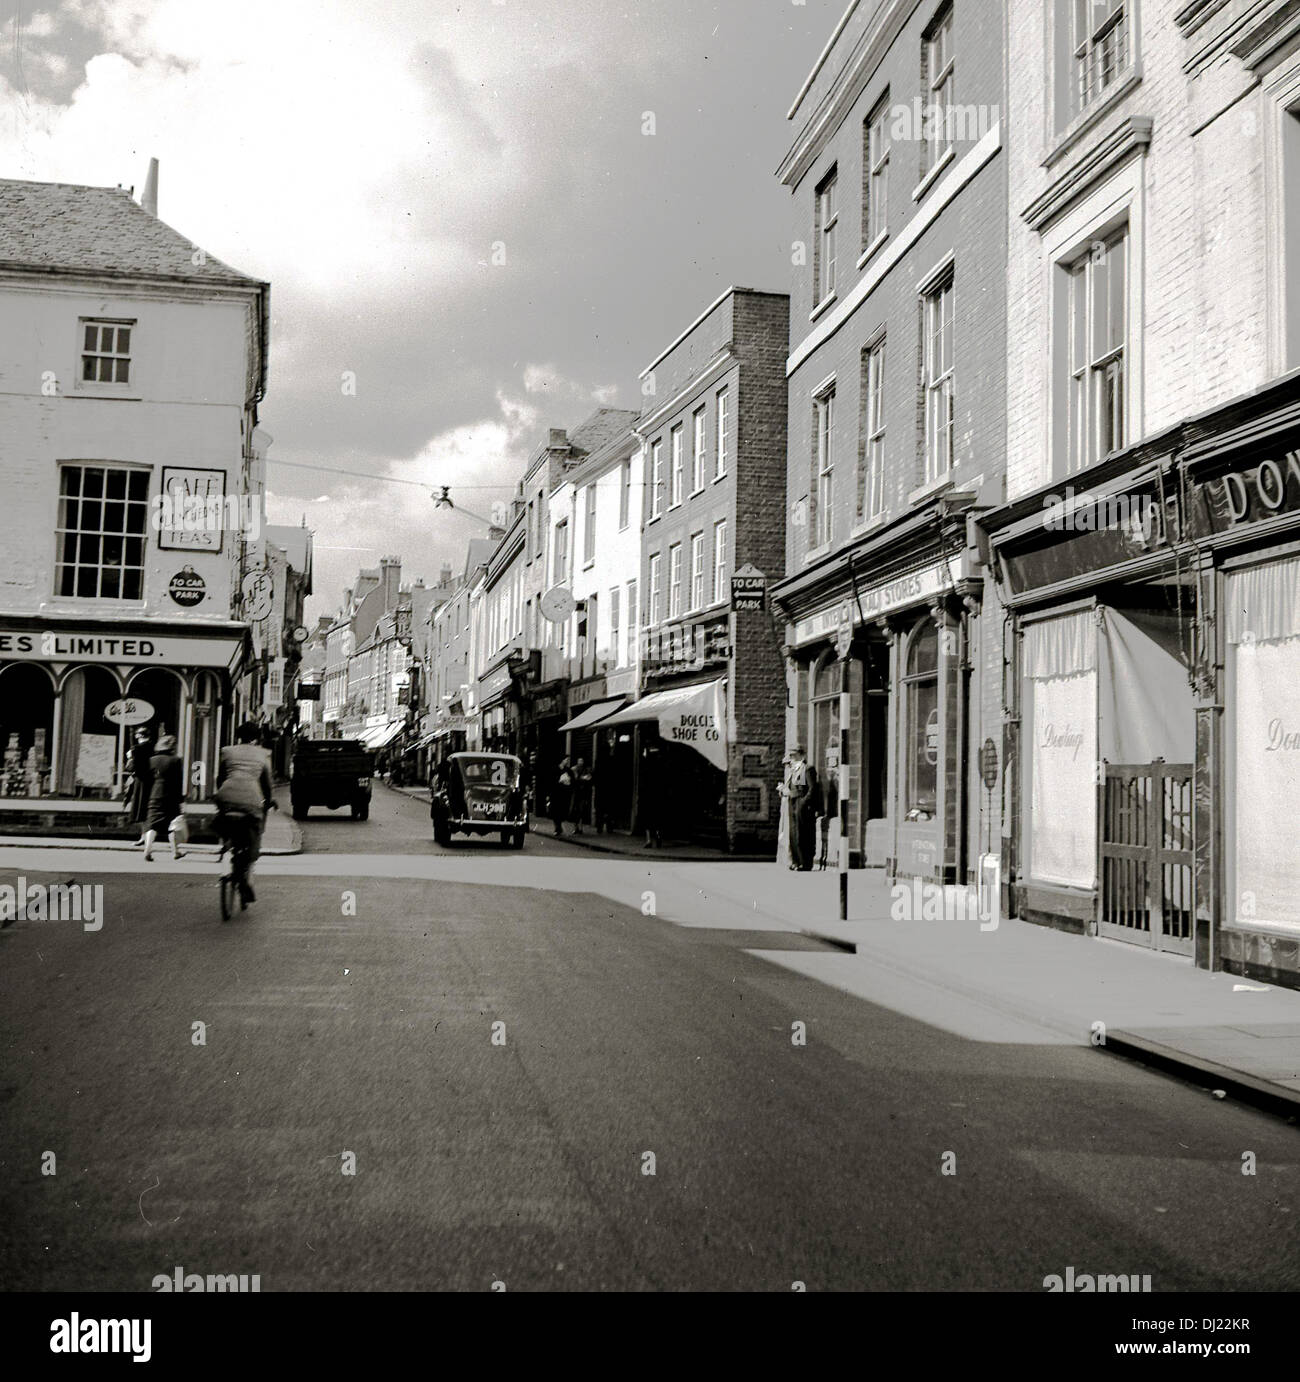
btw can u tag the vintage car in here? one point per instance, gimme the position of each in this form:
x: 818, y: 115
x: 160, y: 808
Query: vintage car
x: 479, y: 794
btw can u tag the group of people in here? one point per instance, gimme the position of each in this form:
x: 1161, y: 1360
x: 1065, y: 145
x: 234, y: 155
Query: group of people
x: 571, y: 795
x: 808, y: 812
x: 242, y: 796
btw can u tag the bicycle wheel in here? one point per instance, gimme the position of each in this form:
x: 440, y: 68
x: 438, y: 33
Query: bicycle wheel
x: 227, y: 886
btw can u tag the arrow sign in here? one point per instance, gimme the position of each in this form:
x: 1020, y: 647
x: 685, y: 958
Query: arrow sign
x: 749, y: 590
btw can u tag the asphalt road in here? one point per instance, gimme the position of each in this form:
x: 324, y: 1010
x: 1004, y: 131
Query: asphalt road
x: 351, y: 1013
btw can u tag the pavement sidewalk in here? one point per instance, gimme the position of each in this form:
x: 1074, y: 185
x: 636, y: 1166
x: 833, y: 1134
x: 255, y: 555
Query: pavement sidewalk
x: 1234, y: 1035
x: 281, y: 836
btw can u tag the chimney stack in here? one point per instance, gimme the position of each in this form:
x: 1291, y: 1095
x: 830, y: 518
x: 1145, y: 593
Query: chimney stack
x: 149, y: 197
x: 559, y: 439
x: 444, y: 576
x: 390, y: 577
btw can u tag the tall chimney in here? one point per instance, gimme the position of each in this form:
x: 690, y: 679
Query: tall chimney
x: 390, y: 577
x: 559, y: 439
x: 149, y: 197
x: 444, y: 576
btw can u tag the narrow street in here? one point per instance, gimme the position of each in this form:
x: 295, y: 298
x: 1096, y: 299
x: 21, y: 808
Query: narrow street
x: 336, y: 1031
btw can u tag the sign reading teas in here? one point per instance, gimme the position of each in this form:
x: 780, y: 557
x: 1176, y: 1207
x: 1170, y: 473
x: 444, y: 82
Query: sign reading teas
x: 75, y: 646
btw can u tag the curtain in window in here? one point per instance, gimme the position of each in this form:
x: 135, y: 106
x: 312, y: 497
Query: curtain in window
x: 1263, y: 624
x: 1060, y: 694
x: 71, y: 717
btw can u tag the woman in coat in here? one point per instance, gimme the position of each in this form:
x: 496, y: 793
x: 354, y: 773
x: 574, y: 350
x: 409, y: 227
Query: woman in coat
x: 141, y: 777
x: 166, y: 789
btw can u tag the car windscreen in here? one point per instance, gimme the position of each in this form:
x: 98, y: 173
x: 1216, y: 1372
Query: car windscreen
x: 489, y: 772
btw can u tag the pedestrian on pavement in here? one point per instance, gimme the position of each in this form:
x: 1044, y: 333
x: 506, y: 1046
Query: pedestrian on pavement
x: 800, y: 783
x: 783, y: 815
x: 141, y: 776
x: 581, y: 794
x: 830, y: 815
x: 166, y: 788
x: 600, y: 787
x: 650, y: 796
x: 561, y: 794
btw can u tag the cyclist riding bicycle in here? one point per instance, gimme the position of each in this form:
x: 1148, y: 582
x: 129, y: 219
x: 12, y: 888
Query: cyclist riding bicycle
x: 243, y: 798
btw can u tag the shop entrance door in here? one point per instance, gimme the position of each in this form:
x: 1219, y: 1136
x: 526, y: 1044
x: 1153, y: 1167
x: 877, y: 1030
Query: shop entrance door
x: 1145, y: 848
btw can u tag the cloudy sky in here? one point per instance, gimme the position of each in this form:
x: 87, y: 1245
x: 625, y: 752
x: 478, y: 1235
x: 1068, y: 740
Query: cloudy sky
x: 375, y: 159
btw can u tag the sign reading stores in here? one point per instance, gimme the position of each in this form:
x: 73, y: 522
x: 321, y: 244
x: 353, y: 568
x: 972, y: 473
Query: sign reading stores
x: 75, y: 646
x: 880, y: 599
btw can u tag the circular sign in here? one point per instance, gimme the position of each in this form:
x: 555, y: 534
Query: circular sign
x: 932, y: 736
x: 130, y: 710
x: 300, y: 634
x: 186, y: 587
x: 989, y: 764
x: 557, y: 604
x: 258, y: 591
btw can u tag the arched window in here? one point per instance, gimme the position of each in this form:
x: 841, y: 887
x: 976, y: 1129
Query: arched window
x: 26, y: 722
x: 89, y: 746
x: 921, y: 688
x: 824, y: 730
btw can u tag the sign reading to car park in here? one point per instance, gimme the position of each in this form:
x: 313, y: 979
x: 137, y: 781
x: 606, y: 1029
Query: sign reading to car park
x: 187, y: 587
x: 749, y: 590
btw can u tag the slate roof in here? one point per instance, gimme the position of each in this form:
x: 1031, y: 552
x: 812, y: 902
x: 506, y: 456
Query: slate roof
x: 605, y: 425
x: 61, y: 225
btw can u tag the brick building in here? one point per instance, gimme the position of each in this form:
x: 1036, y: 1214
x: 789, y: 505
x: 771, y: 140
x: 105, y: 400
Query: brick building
x: 133, y: 366
x: 709, y: 721
x: 1149, y: 551
x: 897, y: 406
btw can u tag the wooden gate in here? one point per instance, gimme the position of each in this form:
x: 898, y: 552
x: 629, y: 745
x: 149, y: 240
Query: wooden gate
x: 1145, y: 863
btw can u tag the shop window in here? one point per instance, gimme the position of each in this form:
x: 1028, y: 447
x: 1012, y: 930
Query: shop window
x: 162, y: 690
x: 89, y: 746
x: 824, y: 735
x: 921, y: 690
x: 26, y: 723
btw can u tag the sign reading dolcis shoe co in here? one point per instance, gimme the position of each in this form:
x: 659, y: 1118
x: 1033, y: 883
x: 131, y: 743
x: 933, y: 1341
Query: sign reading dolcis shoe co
x: 74, y: 645
x: 879, y: 599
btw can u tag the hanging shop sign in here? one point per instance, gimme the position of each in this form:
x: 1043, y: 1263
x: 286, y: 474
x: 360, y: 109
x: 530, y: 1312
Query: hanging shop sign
x: 257, y: 591
x: 130, y: 710
x: 187, y: 587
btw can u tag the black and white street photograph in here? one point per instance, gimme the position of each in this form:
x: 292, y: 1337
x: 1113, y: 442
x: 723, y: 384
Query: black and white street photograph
x: 649, y: 647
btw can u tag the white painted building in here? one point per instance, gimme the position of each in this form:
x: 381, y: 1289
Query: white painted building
x: 132, y: 364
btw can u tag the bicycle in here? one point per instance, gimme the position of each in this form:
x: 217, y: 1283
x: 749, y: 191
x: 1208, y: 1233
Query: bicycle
x: 234, y: 883
x: 235, y: 830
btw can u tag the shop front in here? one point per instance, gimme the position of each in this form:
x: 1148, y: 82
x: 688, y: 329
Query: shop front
x: 680, y: 743
x: 1153, y: 693
x: 901, y: 621
x: 73, y: 694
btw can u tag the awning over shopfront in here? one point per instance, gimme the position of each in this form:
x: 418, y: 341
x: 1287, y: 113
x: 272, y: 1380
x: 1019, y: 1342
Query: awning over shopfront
x: 383, y: 736
x: 695, y: 716
x: 591, y: 715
